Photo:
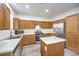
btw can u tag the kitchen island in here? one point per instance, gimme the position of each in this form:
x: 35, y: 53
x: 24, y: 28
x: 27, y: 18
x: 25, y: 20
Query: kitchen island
x: 52, y: 46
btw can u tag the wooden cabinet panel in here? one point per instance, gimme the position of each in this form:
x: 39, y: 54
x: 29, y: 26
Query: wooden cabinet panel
x: 21, y: 24
x: 45, y: 25
x: 29, y: 39
x: 48, y: 34
x: 4, y: 17
x: 71, y: 23
x: 56, y: 49
x: 29, y: 24
x: 32, y: 39
x: 71, y: 40
x: 72, y: 32
x: 25, y: 24
x: 7, y: 17
x: 15, y: 23
x: 25, y: 40
x: 1, y: 16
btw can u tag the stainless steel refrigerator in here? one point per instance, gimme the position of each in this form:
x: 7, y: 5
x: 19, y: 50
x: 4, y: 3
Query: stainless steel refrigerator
x: 59, y: 31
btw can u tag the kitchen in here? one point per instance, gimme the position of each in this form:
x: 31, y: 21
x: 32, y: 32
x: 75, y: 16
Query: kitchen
x: 39, y: 29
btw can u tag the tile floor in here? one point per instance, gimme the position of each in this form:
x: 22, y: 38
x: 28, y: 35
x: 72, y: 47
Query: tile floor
x: 34, y: 50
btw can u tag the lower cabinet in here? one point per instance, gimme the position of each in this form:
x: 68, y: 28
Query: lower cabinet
x: 48, y: 34
x: 73, y: 42
x: 28, y: 39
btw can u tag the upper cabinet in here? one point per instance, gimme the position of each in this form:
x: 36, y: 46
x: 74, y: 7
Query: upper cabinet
x: 45, y: 25
x: 26, y: 24
x: 29, y: 24
x: 21, y: 24
x: 16, y: 23
x: 1, y: 16
x: 71, y: 24
x: 4, y: 17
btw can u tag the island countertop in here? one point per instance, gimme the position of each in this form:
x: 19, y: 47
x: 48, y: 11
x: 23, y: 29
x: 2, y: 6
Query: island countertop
x: 52, y: 40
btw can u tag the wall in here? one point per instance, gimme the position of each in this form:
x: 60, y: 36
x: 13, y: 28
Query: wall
x: 33, y: 30
x: 65, y: 14
x: 4, y: 34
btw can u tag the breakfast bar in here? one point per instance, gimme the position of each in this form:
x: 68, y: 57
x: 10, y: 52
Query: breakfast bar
x: 52, y: 46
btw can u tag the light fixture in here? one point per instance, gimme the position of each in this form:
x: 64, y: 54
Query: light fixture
x: 27, y: 6
x: 46, y: 10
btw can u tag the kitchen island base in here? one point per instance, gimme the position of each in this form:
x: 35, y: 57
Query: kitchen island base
x: 56, y: 49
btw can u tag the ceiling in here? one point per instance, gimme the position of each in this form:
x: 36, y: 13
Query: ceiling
x: 38, y: 9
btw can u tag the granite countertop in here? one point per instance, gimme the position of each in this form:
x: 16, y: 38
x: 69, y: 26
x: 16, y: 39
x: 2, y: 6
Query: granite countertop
x: 52, y: 40
x: 8, y: 45
x: 28, y: 33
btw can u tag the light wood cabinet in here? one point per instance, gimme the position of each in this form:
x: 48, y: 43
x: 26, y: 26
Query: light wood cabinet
x: 48, y: 34
x: 4, y: 17
x: 7, y: 17
x: 21, y: 24
x: 55, y: 49
x: 28, y: 39
x: 72, y: 33
x: 45, y: 25
x: 71, y: 40
x: 15, y: 23
x: 29, y: 24
x: 71, y: 23
x: 26, y: 24
x: 32, y: 39
x: 25, y: 40
x: 1, y: 16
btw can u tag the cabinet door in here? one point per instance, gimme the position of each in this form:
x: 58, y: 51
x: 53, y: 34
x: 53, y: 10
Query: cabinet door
x: 32, y: 39
x: 72, y: 42
x: 48, y: 34
x: 15, y: 23
x: 45, y: 25
x: 25, y: 40
x: 1, y: 16
x: 71, y: 24
x: 7, y: 17
x: 28, y: 25
x: 21, y: 25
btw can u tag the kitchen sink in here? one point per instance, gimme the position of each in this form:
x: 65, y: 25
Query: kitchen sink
x: 15, y: 37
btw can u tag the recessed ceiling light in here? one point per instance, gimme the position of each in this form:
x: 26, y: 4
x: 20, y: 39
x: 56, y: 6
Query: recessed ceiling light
x: 27, y: 6
x: 46, y: 10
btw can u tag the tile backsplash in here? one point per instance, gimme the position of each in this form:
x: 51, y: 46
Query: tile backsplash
x: 33, y: 30
x: 4, y: 34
